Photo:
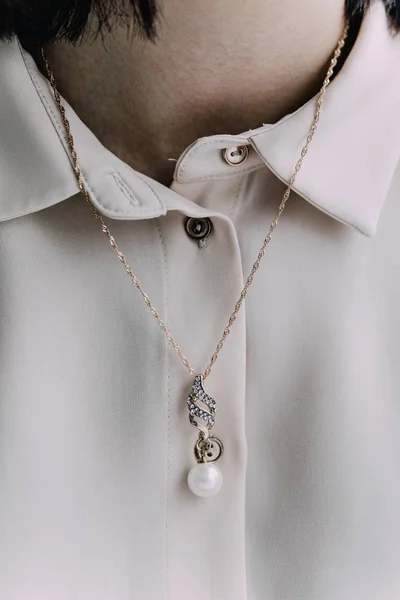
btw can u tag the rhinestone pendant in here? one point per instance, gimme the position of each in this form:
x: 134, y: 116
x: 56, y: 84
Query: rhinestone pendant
x: 205, y: 479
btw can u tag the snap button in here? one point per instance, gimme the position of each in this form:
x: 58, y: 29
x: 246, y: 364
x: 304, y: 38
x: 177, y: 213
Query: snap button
x: 198, y: 229
x: 236, y: 155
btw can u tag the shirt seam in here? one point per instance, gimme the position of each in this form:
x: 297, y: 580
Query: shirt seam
x: 168, y: 437
x: 237, y: 196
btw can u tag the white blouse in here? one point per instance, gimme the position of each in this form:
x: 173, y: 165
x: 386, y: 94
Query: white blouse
x: 95, y: 441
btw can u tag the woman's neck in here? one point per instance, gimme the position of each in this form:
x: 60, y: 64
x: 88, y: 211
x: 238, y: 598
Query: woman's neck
x: 216, y: 67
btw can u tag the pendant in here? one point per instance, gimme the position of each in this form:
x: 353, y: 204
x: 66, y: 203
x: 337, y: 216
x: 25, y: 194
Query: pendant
x: 205, y: 479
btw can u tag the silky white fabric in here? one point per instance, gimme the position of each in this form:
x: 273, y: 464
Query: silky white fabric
x: 95, y: 442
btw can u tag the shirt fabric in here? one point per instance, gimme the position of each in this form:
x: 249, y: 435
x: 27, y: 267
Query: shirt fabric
x: 95, y: 442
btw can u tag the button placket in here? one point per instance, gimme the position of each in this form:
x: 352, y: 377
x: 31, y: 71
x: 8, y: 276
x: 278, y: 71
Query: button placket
x: 199, y: 300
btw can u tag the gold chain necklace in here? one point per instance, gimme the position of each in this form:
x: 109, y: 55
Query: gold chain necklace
x: 205, y: 479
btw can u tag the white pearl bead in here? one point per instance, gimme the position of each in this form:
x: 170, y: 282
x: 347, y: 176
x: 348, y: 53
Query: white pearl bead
x: 205, y: 480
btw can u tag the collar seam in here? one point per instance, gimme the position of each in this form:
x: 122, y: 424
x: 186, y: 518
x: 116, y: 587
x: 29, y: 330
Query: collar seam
x: 53, y: 118
x: 157, y: 197
x: 125, y: 189
x: 222, y: 176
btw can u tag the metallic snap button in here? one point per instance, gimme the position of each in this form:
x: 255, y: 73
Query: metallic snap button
x: 198, y: 229
x: 236, y: 156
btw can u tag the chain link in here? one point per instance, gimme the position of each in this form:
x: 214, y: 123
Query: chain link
x: 267, y: 239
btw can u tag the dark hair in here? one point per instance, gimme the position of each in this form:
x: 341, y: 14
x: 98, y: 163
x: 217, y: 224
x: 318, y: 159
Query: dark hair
x: 44, y: 21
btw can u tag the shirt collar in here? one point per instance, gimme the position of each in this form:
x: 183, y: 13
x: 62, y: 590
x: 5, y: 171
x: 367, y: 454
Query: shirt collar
x: 346, y: 174
x: 355, y: 151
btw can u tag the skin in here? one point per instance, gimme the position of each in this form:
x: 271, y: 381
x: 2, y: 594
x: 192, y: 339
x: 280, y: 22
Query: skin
x: 216, y: 67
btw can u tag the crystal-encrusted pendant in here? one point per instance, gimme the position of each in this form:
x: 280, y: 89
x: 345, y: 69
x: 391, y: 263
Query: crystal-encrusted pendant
x: 205, y: 479
x: 203, y: 418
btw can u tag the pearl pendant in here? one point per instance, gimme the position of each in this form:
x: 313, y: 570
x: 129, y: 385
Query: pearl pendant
x: 205, y: 480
